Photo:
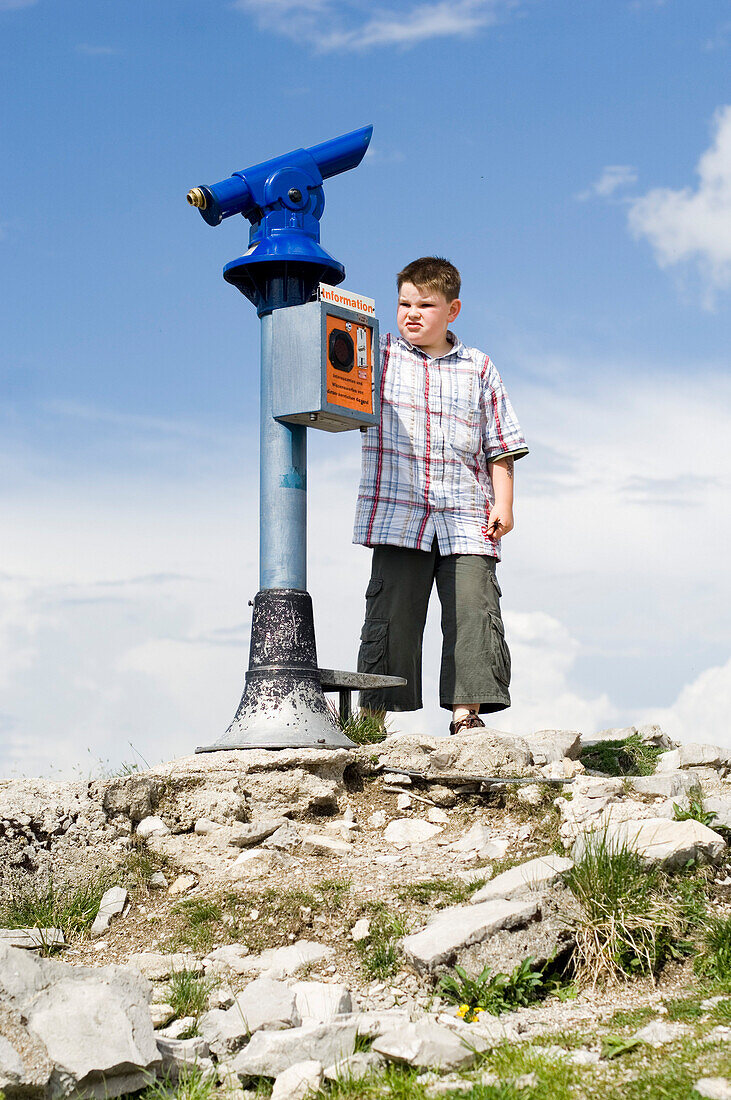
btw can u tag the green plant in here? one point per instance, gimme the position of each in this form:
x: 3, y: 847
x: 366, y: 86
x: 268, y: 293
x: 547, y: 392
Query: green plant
x: 631, y: 756
x: 364, y: 727
x: 333, y: 892
x: 379, y: 951
x: 494, y: 993
x: 614, y: 1045
x: 696, y: 809
x: 627, y: 920
x: 188, y: 993
x: 683, y: 1008
x: 444, y: 891
x: 714, y: 958
x: 201, y: 922
x: 188, y: 1084
x: 47, y: 904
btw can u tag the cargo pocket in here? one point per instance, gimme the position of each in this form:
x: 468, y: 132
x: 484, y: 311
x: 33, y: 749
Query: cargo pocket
x: 495, y: 584
x: 373, y: 645
x: 500, y: 651
x: 375, y: 584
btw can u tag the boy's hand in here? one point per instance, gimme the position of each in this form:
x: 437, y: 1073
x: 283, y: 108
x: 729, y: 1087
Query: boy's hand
x: 500, y: 520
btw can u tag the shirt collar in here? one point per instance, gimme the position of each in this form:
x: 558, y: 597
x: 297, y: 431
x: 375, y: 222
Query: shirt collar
x: 457, y: 348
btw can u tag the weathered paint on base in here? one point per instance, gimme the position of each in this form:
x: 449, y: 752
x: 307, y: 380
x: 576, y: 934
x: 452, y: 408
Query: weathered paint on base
x: 283, y: 705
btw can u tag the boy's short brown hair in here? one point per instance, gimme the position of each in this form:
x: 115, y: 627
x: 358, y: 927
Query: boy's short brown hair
x: 432, y: 273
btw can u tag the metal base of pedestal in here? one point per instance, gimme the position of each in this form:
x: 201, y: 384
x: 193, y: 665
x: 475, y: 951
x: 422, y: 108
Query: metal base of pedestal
x: 283, y: 705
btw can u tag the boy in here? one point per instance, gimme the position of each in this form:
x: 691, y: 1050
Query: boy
x: 435, y: 498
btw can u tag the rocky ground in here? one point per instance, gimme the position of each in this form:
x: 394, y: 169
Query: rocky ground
x: 229, y: 920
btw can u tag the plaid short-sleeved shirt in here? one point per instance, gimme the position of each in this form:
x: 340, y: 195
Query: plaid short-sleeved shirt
x: 425, y: 470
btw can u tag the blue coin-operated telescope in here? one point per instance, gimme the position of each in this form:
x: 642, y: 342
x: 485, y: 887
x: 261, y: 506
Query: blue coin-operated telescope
x: 283, y: 199
x: 319, y: 368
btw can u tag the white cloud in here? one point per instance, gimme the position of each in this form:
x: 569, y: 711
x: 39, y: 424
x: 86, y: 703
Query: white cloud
x: 612, y: 178
x: 332, y: 24
x: 702, y: 711
x: 690, y: 225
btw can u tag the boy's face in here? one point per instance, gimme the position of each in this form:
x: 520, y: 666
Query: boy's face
x: 424, y: 315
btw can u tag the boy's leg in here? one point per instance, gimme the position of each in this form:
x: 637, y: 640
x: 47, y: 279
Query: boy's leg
x: 475, y: 657
x: 397, y: 598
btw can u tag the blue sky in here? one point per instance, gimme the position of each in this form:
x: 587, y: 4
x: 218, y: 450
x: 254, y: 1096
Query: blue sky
x: 573, y: 159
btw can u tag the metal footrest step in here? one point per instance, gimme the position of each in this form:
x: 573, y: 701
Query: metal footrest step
x: 334, y: 679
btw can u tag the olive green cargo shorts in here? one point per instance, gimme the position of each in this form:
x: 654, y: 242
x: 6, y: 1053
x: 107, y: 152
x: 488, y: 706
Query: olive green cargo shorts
x: 475, y: 657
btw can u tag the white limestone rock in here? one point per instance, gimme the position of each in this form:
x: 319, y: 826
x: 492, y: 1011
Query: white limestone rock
x: 272, y: 1052
x: 696, y: 756
x: 263, y: 1005
x: 659, y: 1032
x: 248, y: 836
x: 321, y: 1002
x: 553, y: 746
x: 535, y: 874
x: 230, y: 957
x: 152, y: 826
x: 282, y: 962
x: 30, y: 939
x: 299, y: 1081
x: 473, y: 840
x: 663, y: 785
x: 359, y: 1065
x: 407, y: 832
x: 720, y: 805
x: 317, y: 844
x: 713, y: 1088
x: 112, y: 905
x: 253, y: 863
x: 361, y: 930
x: 482, y: 752
x: 426, y: 1044
x: 460, y: 926
x: 660, y: 841
x: 372, y: 1024
x: 93, y: 1023
x: 156, y: 966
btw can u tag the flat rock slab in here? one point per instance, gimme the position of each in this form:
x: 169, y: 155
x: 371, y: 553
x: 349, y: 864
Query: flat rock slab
x: 94, y: 1024
x: 32, y: 938
x: 475, y: 753
x: 251, y: 835
x: 272, y: 1052
x: 407, y: 831
x: 649, y: 735
x: 156, y: 966
x: 462, y: 925
x: 281, y: 962
x: 658, y: 840
x: 535, y: 874
x: 427, y: 1045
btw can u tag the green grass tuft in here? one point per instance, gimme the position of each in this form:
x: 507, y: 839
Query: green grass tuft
x: 189, y: 993
x: 379, y: 952
x: 696, y: 809
x: 632, y: 756
x: 628, y: 921
x: 439, y: 892
x: 364, y: 727
x: 714, y: 959
x: 46, y: 904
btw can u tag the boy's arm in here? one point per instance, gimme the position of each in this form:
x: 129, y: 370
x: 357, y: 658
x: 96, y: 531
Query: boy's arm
x: 500, y: 520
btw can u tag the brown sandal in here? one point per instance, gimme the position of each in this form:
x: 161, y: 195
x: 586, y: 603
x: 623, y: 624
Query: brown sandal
x: 470, y: 721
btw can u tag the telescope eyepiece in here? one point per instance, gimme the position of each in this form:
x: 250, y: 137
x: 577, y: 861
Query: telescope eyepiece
x: 197, y: 198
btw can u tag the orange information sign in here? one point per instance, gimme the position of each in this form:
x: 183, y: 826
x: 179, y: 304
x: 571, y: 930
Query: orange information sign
x: 349, y: 372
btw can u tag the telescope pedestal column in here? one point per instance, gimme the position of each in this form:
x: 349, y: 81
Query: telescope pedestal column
x: 283, y: 705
